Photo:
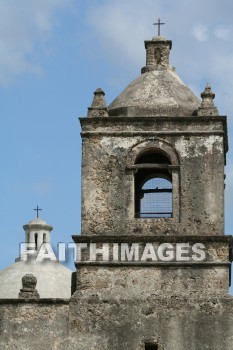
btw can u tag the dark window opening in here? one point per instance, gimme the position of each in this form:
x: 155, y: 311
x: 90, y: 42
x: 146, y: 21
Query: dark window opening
x: 153, y: 186
x: 151, y: 346
x: 44, y: 238
x: 153, y: 158
x: 157, y: 55
x: 36, y: 240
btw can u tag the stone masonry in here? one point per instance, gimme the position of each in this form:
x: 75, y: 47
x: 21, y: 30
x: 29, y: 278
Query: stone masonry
x: 153, y: 303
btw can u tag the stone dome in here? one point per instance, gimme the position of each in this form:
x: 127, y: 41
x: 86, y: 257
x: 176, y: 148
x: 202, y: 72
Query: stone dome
x: 158, y: 91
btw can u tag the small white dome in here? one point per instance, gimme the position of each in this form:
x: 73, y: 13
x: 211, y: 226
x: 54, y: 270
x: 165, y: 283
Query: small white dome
x: 53, y: 279
x: 37, y: 221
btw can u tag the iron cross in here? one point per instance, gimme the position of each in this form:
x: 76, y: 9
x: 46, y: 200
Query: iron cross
x: 37, y: 211
x: 158, y: 24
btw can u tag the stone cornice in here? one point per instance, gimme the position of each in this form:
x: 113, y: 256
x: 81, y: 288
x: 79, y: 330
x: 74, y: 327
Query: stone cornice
x: 147, y: 239
x: 37, y: 227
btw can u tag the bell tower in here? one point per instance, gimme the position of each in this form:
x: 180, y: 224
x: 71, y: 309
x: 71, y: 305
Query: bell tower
x: 157, y: 150
x: 154, y: 271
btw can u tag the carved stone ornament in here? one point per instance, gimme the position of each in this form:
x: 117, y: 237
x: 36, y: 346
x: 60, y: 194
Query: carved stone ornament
x: 98, y: 107
x: 207, y: 107
x: 29, y: 291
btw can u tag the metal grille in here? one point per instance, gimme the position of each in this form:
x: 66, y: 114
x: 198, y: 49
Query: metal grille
x: 156, y: 199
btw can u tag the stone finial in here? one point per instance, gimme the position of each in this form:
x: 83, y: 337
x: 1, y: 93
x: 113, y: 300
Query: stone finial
x: 207, y: 106
x: 29, y: 291
x: 98, y: 107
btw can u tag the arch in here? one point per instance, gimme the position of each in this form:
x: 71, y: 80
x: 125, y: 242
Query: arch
x: 153, y: 185
x: 148, y: 156
x: 140, y: 162
x: 153, y: 145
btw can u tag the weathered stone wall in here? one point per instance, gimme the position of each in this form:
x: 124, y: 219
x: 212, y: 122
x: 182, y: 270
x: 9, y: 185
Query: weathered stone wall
x: 108, y: 183
x: 34, y: 325
x: 174, y: 322
x: 133, y: 281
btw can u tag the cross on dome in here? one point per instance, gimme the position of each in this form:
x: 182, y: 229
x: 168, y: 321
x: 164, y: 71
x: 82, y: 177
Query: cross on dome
x: 159, y: 23
x: 37, y: 211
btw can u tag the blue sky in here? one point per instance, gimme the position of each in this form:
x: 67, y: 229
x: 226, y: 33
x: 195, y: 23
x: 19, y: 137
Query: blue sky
x: 53, y: 55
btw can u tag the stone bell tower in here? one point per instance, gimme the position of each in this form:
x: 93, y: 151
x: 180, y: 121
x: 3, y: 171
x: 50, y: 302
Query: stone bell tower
x: 152, y: 210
